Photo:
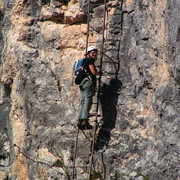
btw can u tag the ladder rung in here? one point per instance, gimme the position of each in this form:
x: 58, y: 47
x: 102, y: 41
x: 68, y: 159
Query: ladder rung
x: 97, y: 4
x: 83, y: 141
x: 112, y: 26
x: 95, y: 115
x: 83, y: 154
x: 109, y: 73
x: 78, y: 166
x: 111, y: 39
x: 104, y: 140
x: 96, y: 17
x: 103, y: 2
x: 94, y: 4
x: 95, y: 42
x: 95, y: 29
x: 116, y: 14
x: 111, y: 49
x: 110, y: 62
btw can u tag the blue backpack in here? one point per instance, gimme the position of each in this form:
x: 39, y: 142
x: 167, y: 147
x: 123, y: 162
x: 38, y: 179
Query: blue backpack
x: 79, y: 71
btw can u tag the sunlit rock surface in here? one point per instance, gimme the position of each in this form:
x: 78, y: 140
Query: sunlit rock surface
x: 139, y: 133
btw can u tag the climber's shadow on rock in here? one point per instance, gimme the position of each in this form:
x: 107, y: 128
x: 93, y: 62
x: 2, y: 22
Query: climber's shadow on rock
x: 108, y: 98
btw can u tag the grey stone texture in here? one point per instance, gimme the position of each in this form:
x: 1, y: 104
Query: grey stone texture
x: 138, y: 137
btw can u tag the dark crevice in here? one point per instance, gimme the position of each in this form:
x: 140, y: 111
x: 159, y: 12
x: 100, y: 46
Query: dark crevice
x: 7, y: 90
x: 145, y: 39
x: 178, y: 34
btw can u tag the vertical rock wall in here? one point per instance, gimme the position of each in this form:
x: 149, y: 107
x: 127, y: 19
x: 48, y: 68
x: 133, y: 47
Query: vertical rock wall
x: 145, y: 137
x: 5, y: 127
x: 139, y: 95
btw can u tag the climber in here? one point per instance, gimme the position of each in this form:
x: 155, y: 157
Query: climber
x: 87, y: 88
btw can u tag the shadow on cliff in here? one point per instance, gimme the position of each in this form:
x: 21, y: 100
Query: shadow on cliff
x: 109, y: 92
x: 108, y: 98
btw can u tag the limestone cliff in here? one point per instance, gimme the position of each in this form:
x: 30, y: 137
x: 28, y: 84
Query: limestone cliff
x: 139, y: 136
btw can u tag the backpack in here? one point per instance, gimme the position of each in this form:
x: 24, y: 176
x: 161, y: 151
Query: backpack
x: 79, y: 71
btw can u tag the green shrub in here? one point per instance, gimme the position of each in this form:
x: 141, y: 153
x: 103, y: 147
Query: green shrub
x: 58, y: 163
x: 96, y: 175
x: 7, y: 90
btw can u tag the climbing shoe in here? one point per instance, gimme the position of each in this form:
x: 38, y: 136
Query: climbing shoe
x: 79, y: 124
x: 85, y: 124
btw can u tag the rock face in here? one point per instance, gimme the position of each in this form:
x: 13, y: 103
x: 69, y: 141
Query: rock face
x: 139, y: 135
